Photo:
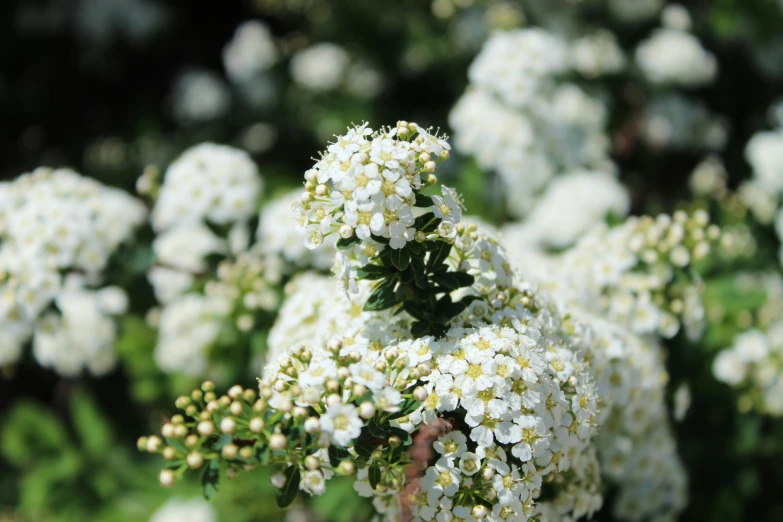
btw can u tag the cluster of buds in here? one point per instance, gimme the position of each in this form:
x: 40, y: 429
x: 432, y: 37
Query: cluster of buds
x: 243, y: 282
x: 640, y: 273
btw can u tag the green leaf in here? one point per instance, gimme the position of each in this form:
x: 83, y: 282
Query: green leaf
x: 376, y: 430
x: 420, y: 329
x: 423, y: 201
x: 344, y: 244
x: 380, y: 239
x: 31, y: 433
x: 439, y: 254
x: 287, y: 494
x: 372, y: 272
x: 94, y: 433
x: 364, y: 447
x: 426, y: 222
x: 337, y: 455
x: 453, y: 280
x: 374, y: 475
x: 381, y: 298
x: 400, y: 258
x: 210, y: 480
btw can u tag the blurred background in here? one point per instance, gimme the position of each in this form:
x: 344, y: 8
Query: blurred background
x: 111, y: 88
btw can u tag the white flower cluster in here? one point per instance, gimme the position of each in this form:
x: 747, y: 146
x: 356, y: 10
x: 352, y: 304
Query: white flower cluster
x: 199, y: 95
x: 674, y: 57
x: 763, y: 194
x: 185, y: 510
x: 190, y: 324
x: 534, y: 387
x: 518, y: 119
x: 597, y: 54
x: 754, y: 361
x: 365, y: 185
x: 325, y: 67
x: 251, y: 52
x: 571, y: 205
x: 630, y: 273
x: 672, y: 121
x: 55, y: 224
x: 208, y: 182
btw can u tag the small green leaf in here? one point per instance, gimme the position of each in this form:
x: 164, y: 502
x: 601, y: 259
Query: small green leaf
x: 380, y: 239
x: 400, y: 258
x: 210, y: 480
x: 287, y: 494
x: 94, y: 432
x: 439, y: 254
x: 374, y: 475
x: 381, y: 298
x: 344, y: 244
x: 364, y: 447
x: 426, y: 222
x: 372, y: 272
x: 423, y: 201
x: 453, y: 280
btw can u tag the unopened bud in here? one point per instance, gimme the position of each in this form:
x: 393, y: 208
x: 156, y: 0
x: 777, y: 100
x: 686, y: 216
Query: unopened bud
x: 228, y: 425
x: 312, y: 425
x: 278, y: 442
x: 195, y: 460
x: 166, y: 478
x: 205, y: 428
x: 312, y: 462
x: 153, y: 444
x: 367, y: 410
x: 256, y: 425
x: 346, y: 467
x: 278, y: 480
x: 230, y: 451
x: 169, y: 453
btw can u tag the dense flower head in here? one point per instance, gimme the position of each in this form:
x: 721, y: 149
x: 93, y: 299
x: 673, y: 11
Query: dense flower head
x: 58, y: 231
x: 208, y: 183
x: 196, y: 312
x: 671, y: 56
x: 754, y: 361
x: 524, y: 121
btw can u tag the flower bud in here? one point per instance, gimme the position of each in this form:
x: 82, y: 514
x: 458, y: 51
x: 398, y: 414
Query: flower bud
x: 312, y: 462
x: 487, y: 473
x: 278, y: 480
x: 346, y: 468
x: 191, y: 410
x: 210, y: 396
x: 180, y: 431
x: 232, y: 473
x: 359, y: 390
x: 380, y: 366
x: 191, y: 440
x: 249, y: 395
x: 197, y: 395
x: 235, y: 391
x: 246, y: 452
x: 224, y: 401
x: 195, y: 460
x: 346, y: 231
x: 320, y: 190
x: 420, y: 393
x: 235, y: 408
x: 312, y: 425
x: 228, y: 425
x: 480, y: 511
x: 182, y: 402
x: 333, y: 400
x: 259, y: 405
x: 394, y: 441
x: 230, y: 451
x: 205, y: 428
x: 298, y: 412
x: 208, y: 386
x: 166, y: 478
x: 256, y: 425
x: 367, y: 410
x: 278, y: 442
x: 169, y: 453
x: 141, y: 444
x: 153, y: 444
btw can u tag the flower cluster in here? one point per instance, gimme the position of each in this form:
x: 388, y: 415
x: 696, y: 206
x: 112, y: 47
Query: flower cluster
x: 763, y: 194
x: 754, y: 361
x: 58, y: 232
x: 517, y: 117
x: 190, y: 324
x: 672, y: 56
x: 208, y: 183
x: 450, y: 388
x: 250, y: 52
x: 636, y: 274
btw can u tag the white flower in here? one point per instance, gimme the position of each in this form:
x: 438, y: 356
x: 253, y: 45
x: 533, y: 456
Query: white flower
x: 313, y: 482
x: 342, y: 423
x: 673, y: 56
x: 442, y: 479
x: 251, y: 51
x: 319, y: 67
